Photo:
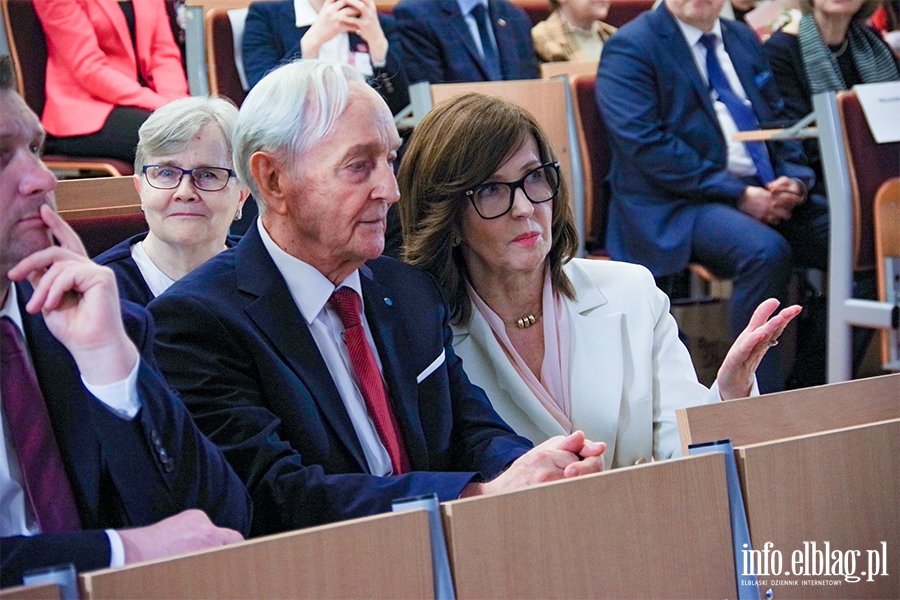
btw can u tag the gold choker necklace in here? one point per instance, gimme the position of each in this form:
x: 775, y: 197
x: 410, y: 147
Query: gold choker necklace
x: 525, y: 322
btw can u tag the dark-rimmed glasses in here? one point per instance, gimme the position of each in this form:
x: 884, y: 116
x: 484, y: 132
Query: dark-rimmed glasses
x: 167, y: 177
x: 496, y: 198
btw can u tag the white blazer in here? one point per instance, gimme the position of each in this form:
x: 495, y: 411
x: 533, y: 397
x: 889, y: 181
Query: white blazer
x: 628, y: 369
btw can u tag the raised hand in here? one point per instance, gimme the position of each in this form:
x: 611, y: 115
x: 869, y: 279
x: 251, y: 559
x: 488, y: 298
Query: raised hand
x: 80, y: 304
x: 736, y: 374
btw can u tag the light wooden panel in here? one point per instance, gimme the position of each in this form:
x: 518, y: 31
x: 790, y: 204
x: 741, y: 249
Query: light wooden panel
x: 47, y: 591
x: 100, y: 196
x: 543, y: 98
x: 386, y: 556
x: 792, y: 413
x: 653, y: 531
x: 840, y: 487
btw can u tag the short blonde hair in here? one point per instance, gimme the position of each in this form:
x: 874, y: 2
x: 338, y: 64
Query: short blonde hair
x: 458, y: 145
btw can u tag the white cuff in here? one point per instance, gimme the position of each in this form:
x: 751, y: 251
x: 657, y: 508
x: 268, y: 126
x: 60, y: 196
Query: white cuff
x: 116, y: 549
x: 120, y: 397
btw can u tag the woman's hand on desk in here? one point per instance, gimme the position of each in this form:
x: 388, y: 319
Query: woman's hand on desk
x: 739, y: 367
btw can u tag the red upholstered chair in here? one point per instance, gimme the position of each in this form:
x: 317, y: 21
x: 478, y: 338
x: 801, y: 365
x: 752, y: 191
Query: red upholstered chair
x: 595, y: 159
x: 28, y: 50
x: 223, y: 74
x: 622, y: 11
x: 869, y: 164
x: 537, y: 10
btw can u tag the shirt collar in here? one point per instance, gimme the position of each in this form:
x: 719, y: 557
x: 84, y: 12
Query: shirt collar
x: 304, y: 13
x: 11, y: 307
x: 692, y: 34
x: 466, y: 6
x: 308, y: 287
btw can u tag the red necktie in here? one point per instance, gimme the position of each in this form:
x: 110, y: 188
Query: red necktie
x: 347, y: 304
x: 43, y: 475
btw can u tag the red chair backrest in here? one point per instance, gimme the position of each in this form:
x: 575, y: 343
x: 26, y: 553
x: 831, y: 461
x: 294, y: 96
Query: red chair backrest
x: 223, y: 74
x: 595, y: 159
x: 870, y: 165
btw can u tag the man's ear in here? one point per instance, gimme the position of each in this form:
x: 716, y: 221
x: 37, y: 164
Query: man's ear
x: 270, y: 178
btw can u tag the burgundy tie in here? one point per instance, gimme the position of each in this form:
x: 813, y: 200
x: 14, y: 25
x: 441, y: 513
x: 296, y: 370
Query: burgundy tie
x: 347, y: 304
x: 43, y: 475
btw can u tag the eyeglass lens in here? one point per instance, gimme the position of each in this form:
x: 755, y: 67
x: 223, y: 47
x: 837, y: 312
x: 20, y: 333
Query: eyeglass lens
x: 165, y: 177
x: 495, y: 199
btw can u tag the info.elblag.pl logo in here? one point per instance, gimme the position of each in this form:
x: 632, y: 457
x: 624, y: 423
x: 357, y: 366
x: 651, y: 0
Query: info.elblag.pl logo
x: 815, y: 561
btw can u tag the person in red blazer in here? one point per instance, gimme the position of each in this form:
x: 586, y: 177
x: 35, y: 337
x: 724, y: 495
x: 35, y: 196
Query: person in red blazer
x: 109, y: 65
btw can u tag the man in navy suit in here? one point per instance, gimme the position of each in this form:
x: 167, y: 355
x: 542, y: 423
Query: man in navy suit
x: 682, y: 190
x: 118, y: 449
x: 328, y: 412
x: 447, y: 41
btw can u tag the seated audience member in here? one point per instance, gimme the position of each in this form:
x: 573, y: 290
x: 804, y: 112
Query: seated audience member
x: 741, y: 8
x: 574, y: 31
x: 557, y: 343
x: 833, y: 51
x: 91, y: 437
x: 446, y: 41
x: 189, y: 194
x: 325, y: 373
x: 347, y: 31
x: 109, y: 65
x: 673, y: 87
x: 886, y: 20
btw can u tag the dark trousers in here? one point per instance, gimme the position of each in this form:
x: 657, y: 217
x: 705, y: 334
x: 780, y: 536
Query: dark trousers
x: 117, y: 139
x: 760, y: 259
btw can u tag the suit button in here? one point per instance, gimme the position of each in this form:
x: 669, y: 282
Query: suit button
x: 163, y: 455
x: 169, y: 465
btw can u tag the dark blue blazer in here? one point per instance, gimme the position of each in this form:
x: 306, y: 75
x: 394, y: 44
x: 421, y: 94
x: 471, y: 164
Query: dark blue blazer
x: 438, y: 46
x: 669, y: 155
x: 271, y: 39
x: 129, y: 279
x: 122, y: 473
x: 233, y: 342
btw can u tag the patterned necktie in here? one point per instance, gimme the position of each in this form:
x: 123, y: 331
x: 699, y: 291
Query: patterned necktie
x: 491, y: 60
x: 742, y: 113
x: 43, y: 475
x: 346, y: 303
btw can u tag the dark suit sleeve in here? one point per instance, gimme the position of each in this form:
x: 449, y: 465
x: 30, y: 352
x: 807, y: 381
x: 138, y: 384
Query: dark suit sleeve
x: 783, y: 54
x: 87, y: 550
x: 264, y: 46
x: 422, y: 51
x: 629, y: 86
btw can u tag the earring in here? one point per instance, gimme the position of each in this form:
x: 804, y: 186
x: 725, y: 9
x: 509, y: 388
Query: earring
x: 455, y: 240
x: 142, y: 207
x: 238, y: 215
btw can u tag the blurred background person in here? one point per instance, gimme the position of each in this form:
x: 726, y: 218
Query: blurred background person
x: 559, y: 344
x: 574, y: 31
x: 109, y: 65
x: 834, y: 50
x: 347, y: 31
x: 189, y: 194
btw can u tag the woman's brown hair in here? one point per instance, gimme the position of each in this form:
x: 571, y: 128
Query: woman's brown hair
x: 460, y: 144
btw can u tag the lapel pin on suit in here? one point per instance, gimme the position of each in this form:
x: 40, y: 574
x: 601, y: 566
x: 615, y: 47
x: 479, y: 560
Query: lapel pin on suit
x: 388, y: 301
x: 501, y: 22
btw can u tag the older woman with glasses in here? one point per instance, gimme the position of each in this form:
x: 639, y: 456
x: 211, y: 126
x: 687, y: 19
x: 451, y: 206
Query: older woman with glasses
x: 559, y: 344
x: 189, y: 194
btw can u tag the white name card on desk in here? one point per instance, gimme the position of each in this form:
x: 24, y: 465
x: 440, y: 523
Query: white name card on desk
x: 881, y: 105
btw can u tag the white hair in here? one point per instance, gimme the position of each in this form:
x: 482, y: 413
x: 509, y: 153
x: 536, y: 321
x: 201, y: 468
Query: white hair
x: 291, y: 109
x: 171, y: 127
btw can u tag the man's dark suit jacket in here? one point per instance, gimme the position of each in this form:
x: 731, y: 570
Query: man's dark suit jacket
x: 122, y: 473
x: 234, y: 344
x: 272, y: 38
x: 669, y: 155
x: 438, y: 46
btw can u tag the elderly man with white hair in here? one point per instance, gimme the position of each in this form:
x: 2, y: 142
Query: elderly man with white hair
x: 324, y: 371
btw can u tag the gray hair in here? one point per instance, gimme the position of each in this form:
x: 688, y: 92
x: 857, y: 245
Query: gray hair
x: 290, y: 110
x: 172, y: 126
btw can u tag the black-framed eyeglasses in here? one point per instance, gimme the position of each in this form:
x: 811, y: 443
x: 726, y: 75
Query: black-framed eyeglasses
x: 495, y: 198
x: 167, y: 177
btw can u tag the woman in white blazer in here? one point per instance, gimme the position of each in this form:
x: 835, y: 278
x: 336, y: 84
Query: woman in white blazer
x: 559, y: 344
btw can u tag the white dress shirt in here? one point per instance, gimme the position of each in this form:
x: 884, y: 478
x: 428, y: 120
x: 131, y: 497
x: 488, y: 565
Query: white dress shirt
x: 337, y: 49
x: 311, y: 291
x: 15, y: 516
x: 739, y: 161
